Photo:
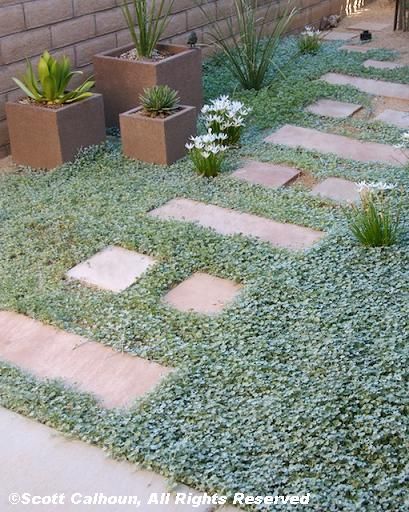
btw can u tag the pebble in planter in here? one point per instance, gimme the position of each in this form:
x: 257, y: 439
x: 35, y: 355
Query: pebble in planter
x: 122, y: 74
x: 50, y: 124
x: 157, y: 131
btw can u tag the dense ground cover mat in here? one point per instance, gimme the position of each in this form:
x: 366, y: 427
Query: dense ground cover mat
x: 302, y: 384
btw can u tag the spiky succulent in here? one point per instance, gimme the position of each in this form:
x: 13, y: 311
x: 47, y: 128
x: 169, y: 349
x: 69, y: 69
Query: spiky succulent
x: 51, y: 84
x: 159, y: 100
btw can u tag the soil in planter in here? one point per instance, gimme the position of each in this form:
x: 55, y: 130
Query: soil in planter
x: 30, y: 101
x: 162, y: 115
x: 156, y: 56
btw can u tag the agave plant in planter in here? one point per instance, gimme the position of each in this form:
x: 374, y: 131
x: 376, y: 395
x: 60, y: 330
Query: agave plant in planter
x: 157, y: 130
x: 122, y: 74
x: 51, y: 123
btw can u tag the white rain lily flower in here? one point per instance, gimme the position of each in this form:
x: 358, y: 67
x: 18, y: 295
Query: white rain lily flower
x: 380, y: 186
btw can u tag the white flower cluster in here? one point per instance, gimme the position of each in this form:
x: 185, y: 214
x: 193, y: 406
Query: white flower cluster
x: 380, y: 186
x: 225, y: 112
x: 208, y: 144
x: 310, y: 31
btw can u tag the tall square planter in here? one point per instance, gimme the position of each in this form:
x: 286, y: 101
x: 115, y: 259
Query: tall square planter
x: 44, y: 137
x: 121, y: 81
x: 157, y: 140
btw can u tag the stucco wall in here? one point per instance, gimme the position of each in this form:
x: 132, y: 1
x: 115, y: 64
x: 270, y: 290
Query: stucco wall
x: 81, y: 28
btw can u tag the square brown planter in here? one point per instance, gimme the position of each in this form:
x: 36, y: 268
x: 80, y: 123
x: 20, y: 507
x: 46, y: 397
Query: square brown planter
x: 121, y: 81
x: 44, y: 137
x: 157, y: 140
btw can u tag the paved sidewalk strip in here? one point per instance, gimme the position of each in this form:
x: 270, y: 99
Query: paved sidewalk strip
x: 38, y: 460
x: 394, y: 117
x: 339, y: 36
x: 115, y: 378
x: 231, y: 222
x: 370, y: 86
x: 372, y: 26
x: 344, y: 147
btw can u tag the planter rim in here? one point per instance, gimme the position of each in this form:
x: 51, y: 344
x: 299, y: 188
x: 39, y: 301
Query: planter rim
x: 137, y: 110
x: 63, y: 107
x: 114, y: 52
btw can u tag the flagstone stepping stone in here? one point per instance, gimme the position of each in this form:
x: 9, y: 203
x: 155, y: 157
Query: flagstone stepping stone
x: 380, y: 64
x: 394, y: 117
x: 337, y: 189
x: 268, y: 175
x: 203, y: 293
x: 372, y: 26
x: 332, y: 108
x: 38, y: 460
x: 339, y: 36
x: 344, y: 147
x: 231, y: 222
x: 361, y: 48
x: 113, y: 269
x: 376, y: 87
x: 115, y: 378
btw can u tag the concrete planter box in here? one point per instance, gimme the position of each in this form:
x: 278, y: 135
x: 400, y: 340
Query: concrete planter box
x: 156, y: 140
x: 121, y: 81
x: 42, y: 137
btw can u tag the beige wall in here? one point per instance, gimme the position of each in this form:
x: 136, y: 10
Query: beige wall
x: 81, y: 28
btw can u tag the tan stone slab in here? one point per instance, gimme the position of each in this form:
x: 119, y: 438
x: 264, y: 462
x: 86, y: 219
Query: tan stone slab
x: 36, y: 459
x: 337, y: 189
x: 344, y: 147
x: 268, y: 175
x: 339, y: 36
x: 232, y: 222
x: 113, y: 269
x: 372, y: 26
x: 203, y: 293
x: 115, y: 378
x: 376, y: 87
x: 332, y: 108
x: 394, y: 117
x: 380, y: 64
x: 361, y: 48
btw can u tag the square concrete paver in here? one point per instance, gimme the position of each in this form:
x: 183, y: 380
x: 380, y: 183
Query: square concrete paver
x: 268, y: 175
x: 339, y: 36
x: 344, y: 147
x: 231, y: 222
x: 370, y: 86
x: 113, y: 269
x: 203, y: 293
x: 381, y: 64
x: 337, y: 189
x: 332, y: 108
x: 38, y: 460
x: 116, y: 378
x: 394, y: 117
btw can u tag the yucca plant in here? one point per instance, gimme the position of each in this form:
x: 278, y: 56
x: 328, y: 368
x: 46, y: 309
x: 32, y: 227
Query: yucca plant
x: 51, y: 85
x: 374, y: 223
x: 250, y: 48
x: 159, y: 100
x: 146, y: 24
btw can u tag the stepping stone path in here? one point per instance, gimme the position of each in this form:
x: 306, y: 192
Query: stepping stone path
x: 339, y: 36
x: 337, y: 189
x: 344, y: 147
x: 268, y: 175
x: 113, y: 269
x: 332, y: 108
x: 361, y: 48
x: 40, y: 461
x: 203, y: 293
x: 379, y: 64
x: 376, y: 87
x: 115, y: 378
x: 231, y: 222
x: 372, y: 26
x: 394, y: 117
